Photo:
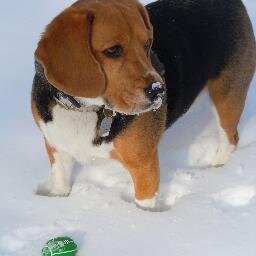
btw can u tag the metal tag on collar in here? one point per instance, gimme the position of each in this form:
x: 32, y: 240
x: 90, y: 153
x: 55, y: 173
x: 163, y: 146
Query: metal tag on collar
x: 106, y: 122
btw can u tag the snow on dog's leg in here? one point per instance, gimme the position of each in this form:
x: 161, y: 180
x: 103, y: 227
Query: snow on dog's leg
x: 59, y: 183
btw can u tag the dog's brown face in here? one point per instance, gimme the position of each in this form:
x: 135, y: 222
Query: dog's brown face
x: 102, y: 49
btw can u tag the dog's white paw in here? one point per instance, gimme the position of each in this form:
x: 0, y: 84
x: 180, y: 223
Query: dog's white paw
x: 46, y: 189
x: 222, y: 155
x: 147, y: 204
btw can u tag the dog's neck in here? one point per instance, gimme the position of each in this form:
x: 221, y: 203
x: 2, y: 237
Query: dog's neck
x: 70, y: 102
x: 80, y: 104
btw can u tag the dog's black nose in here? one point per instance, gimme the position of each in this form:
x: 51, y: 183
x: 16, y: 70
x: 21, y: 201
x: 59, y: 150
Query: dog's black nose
x: 155, y: 90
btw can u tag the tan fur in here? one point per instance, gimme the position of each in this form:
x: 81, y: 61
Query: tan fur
x: 137, y: 150
x: 50, y: 151
x: 229, y: 109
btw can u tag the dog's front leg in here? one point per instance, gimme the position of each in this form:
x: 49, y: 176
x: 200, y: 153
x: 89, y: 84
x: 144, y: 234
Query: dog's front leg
x: 144, y: 170
x: 145, y: 176
x: 59, y: 182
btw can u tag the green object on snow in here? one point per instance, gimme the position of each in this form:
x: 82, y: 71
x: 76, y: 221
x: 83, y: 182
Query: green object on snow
x: 60, y: 246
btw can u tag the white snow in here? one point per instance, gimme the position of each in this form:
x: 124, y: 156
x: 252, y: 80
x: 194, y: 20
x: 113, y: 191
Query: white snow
x: 202, y: 211
x: 237, y: 196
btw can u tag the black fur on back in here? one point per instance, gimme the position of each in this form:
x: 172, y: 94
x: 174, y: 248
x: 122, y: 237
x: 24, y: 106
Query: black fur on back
x: 195, y: 40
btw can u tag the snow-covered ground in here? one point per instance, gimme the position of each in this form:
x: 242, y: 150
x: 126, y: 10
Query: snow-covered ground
x: 205, y: 212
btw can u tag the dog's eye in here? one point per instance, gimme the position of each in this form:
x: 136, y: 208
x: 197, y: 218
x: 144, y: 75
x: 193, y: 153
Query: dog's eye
x: 148, y: 46
x: 114, y: 52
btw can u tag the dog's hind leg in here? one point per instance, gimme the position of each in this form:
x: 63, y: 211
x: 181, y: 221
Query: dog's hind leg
x: 228, y: 93
x: 59, y: 183
x: 227, y: 110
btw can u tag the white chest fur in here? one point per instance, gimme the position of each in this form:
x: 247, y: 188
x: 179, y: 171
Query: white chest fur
x: 73, y: 132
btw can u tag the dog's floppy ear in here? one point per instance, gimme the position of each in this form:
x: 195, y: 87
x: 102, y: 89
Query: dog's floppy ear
x: 66, y: 54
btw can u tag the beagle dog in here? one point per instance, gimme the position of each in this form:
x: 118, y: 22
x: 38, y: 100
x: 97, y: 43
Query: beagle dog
x: 104, y: 88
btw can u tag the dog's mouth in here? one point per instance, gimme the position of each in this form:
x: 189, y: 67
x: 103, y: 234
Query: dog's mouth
x: 157, y: 103
x: 135, y: 104
x: 138, y: 109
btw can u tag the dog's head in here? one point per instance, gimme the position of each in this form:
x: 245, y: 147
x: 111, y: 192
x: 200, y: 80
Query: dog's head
x: 102, y: 49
